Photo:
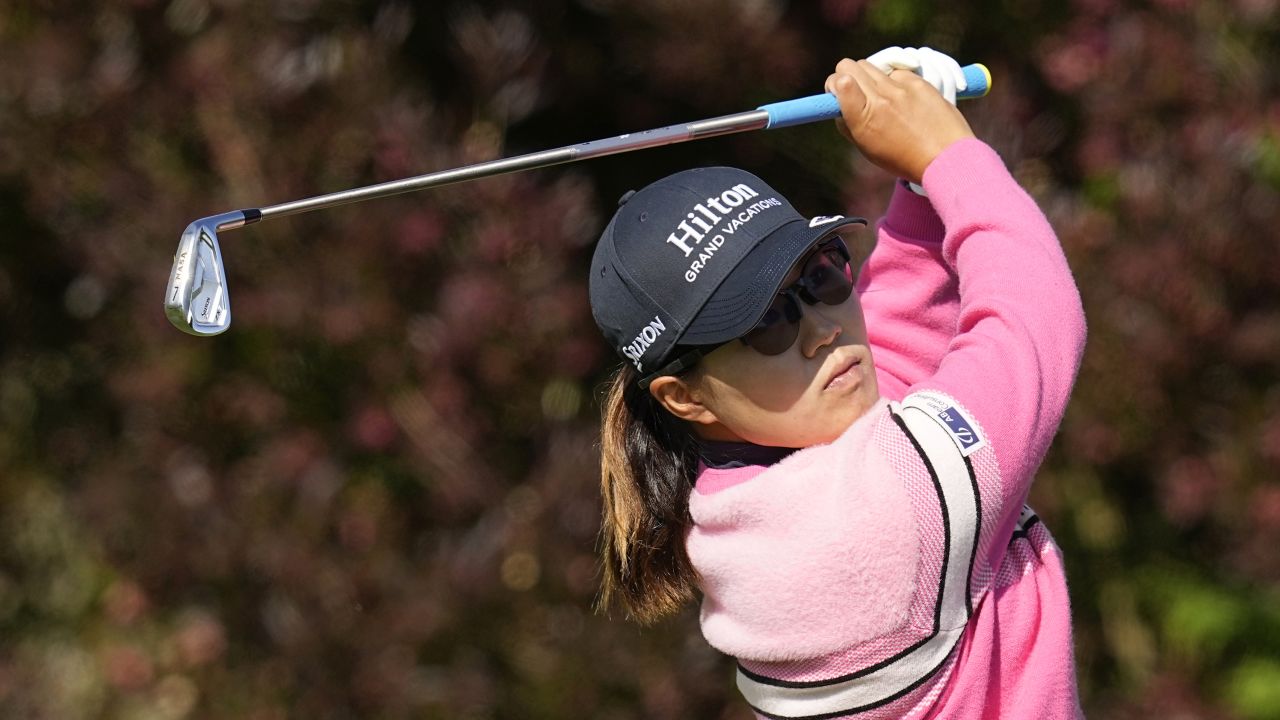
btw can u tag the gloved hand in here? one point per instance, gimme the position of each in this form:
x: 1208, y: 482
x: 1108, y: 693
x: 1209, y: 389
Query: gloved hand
x: 938, y: 69
x: 897, y: 120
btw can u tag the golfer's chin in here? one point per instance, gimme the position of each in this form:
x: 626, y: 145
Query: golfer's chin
x: 849, y: 406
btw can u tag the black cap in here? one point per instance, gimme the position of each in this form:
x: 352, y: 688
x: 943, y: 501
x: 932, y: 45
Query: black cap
x: 695, y: 259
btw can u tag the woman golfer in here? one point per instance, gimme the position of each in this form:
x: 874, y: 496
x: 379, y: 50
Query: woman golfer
x: 841, y: 475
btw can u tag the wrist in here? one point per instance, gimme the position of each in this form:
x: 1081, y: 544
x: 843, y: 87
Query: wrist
x: 956, y: 168
x: 911, y: 217
x: 941, y: 149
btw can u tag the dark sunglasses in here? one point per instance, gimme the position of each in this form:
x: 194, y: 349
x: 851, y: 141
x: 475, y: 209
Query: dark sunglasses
x: 826, y: 277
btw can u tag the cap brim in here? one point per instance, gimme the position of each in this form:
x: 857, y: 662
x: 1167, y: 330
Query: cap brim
x: 742, y: 299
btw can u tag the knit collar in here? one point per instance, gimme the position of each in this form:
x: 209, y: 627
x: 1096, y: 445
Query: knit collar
x: 722, y: 455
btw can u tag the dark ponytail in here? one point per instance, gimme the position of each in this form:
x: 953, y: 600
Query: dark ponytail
x: 648, y: 464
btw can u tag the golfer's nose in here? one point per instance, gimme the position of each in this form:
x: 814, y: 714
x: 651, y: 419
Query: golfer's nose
x: 818, y: 329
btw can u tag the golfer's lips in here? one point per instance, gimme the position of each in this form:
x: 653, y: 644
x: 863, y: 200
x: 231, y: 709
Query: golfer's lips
x: 842, y: 371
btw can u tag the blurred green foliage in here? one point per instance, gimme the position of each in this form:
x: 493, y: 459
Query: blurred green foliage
x: 375, y: 496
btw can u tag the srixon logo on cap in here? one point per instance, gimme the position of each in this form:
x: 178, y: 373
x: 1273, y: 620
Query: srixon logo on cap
x: 705, y: 220
x: 646, y: 337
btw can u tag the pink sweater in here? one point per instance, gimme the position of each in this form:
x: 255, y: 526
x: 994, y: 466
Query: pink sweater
x: 896, y: 571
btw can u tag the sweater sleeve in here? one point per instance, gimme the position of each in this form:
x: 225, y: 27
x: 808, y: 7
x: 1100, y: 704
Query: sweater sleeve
x: 908, y: 293
x: 1021, y: 329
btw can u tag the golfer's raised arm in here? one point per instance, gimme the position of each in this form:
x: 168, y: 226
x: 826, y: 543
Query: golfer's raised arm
x: 1020, y: 330
x: 908, y: 294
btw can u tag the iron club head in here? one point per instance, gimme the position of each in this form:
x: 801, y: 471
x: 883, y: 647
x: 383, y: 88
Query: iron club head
x: 197, y: 301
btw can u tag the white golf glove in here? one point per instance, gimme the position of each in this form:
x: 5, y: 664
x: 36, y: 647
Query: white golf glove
x: 938, y: 69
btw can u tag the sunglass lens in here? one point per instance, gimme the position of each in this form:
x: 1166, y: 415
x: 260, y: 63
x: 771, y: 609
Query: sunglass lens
x: 828, y: 276
x: 778, y: 329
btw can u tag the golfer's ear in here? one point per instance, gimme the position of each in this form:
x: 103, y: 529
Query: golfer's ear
x: 681, y: 399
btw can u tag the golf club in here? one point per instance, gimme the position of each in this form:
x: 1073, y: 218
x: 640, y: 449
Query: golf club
x: 196, y: 300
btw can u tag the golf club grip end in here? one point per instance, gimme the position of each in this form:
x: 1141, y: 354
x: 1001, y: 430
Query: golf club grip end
x: 978, y: 82
x: 825, y: 107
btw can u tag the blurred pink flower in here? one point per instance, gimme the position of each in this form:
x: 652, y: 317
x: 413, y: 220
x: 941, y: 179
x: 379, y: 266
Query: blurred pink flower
x: 1269, y: 441
x: 581, y: 575
x: 842, y: 12
x: 1099, y: 152
x: 127, y: 667
x: 1264, y: 507
x: 1095, y: 442
x: 346, y: 321
x: 1069, y: 63
x: 373, y: 428
x: 200, y: 639
x: 579, y: 356
x: 1253, y: 10
x: 419, y: 232
x: 497, y: 241
x: 290, y: 455
x: 1187, y: 490
x: 474, y: 302
x: 358, y: 529
x: 124, y: 602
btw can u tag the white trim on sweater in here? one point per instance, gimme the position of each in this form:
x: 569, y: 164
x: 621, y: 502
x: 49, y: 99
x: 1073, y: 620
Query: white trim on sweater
x: 878, y: 685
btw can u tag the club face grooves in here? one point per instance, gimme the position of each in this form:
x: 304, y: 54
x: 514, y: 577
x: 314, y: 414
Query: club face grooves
x: 197, y: 301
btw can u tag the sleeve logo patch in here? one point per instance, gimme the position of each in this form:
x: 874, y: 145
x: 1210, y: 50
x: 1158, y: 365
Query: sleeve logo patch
x: 963, y: 433
x: 962, y: 429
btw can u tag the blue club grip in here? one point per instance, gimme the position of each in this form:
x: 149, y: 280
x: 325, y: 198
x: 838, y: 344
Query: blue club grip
x: 824, y: 106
